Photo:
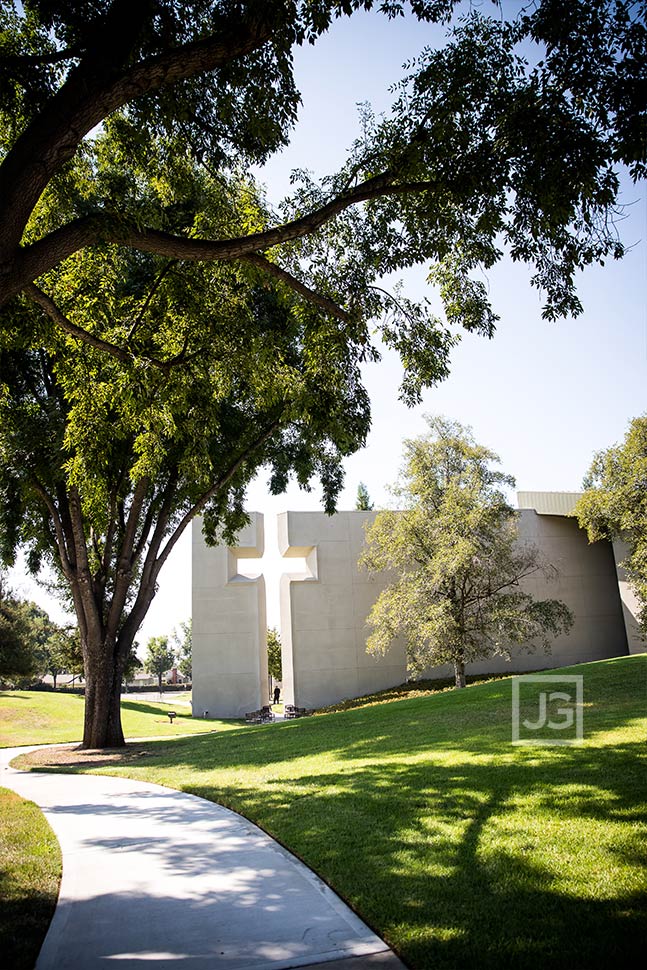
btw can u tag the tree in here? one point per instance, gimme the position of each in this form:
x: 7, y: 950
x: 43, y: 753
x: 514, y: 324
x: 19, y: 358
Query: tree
x: 25, y: 631
x: 509, y: 133
x: 183, y: 643
x: 132, y: 664
x: 159, y: 658
x: 107, y: 458
x: 166, y: 332
x: 614, y: 505
x: 18, y: 660
x: 274, y: 660
x: 459, y: 561
x: 363, y: 501
x: 63, y: 652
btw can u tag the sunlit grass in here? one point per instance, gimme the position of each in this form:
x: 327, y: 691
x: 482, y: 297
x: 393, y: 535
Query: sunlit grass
x: 459, y: 848
x: 30, y: 875
x: 43, y: 717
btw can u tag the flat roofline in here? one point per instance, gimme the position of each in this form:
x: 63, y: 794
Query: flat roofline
x: 548, y: 503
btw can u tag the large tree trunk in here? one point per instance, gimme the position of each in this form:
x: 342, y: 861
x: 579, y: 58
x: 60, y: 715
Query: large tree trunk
x: 102, y: 726
x: 459, y: 672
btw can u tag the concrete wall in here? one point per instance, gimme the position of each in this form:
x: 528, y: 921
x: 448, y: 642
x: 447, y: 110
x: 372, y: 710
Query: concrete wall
x: 587, y: 583
x: 229, y: 626
x: 323, y: 612
x: 323, y: 618
x: 630, y: 607
x: 324, y: 608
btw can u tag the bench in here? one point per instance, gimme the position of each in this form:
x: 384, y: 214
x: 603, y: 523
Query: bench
x: 290, y: 711
x: 260, y: 717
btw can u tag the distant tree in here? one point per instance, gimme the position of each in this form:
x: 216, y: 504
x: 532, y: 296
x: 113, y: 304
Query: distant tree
x: 63, y: 653
x: 183, y: 642
x: 458, y: 558
x: 132, y: 664
x: 274, y: 665
x: 159, y: 658
x: 363, y: 501
x: 18, y: 660
x: 25, y: 629
x: 614, y: 505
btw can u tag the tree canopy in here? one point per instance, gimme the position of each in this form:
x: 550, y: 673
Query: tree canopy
x: 460, y: 565
x: 28, y: 639
x: 614, y: 504
x: 183, y: 647
x: 159, y: 658
x: 363, y: 500
x: 274, y: 658
x: 507, y: 135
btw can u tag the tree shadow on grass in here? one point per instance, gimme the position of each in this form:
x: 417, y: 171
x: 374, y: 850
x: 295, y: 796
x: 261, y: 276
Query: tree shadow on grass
x: 142, y: 707
x: 25, y: 919
x: 443, y: 863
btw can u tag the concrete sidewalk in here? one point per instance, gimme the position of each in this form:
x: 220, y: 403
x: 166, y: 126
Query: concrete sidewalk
x: 156, y: 877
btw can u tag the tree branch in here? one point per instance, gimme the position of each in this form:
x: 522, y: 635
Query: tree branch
x: 43, y: 255
x: 222, y: 481
x: 60, y: 320
x: 324, y: 302
x: 64, y: 323
x: 58, y: 528
x: 94, y: 89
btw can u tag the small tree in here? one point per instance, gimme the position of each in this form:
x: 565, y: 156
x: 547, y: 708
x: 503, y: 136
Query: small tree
x: 183, y: 642
x: 132, y: 664
x: 18, y: 657
x: 274, y: 655
x: 62, y: 652
x: 459, y: 561
x: 614, y: 505
x: 363, y: 501
x: 159, y: 658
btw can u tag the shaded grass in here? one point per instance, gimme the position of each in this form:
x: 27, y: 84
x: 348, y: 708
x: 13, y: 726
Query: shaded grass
x: 43, y: 717
x: 30, y: 876
x: 459, y: 848
x: 413, y: 688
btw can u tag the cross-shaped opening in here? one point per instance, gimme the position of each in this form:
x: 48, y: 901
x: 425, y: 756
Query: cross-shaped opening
x: 272, y: 565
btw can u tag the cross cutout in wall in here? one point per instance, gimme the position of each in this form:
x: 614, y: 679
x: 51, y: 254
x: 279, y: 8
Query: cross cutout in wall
x: 275, y: 560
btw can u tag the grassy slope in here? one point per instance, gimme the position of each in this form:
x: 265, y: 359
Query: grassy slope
x: 459, y: 848
x: 30, y: 875
x: 42, y: 717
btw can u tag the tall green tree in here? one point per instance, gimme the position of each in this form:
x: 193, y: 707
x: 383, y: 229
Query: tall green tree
x: 274, y: 659
x: 159, y: 658
x: 614, y: 505
x: 25, y: 633
x: 363, y: 501
x: 18, y: 657
x: 183, y: 643
x: 107, y: 457
x: 460, y: 565
x: 63, y: 652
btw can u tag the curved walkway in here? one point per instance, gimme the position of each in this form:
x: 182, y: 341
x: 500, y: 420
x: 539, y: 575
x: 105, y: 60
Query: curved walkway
x: 156, y: 877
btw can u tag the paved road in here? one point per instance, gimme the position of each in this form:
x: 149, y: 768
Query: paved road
x: 155, y: 877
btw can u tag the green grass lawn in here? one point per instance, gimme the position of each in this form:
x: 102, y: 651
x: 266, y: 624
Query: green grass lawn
x: 42, y: 717
x: 459, y: 848
x: 30, y: 875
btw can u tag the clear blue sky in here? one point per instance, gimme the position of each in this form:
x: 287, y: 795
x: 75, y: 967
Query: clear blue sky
x: 544, y: 396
